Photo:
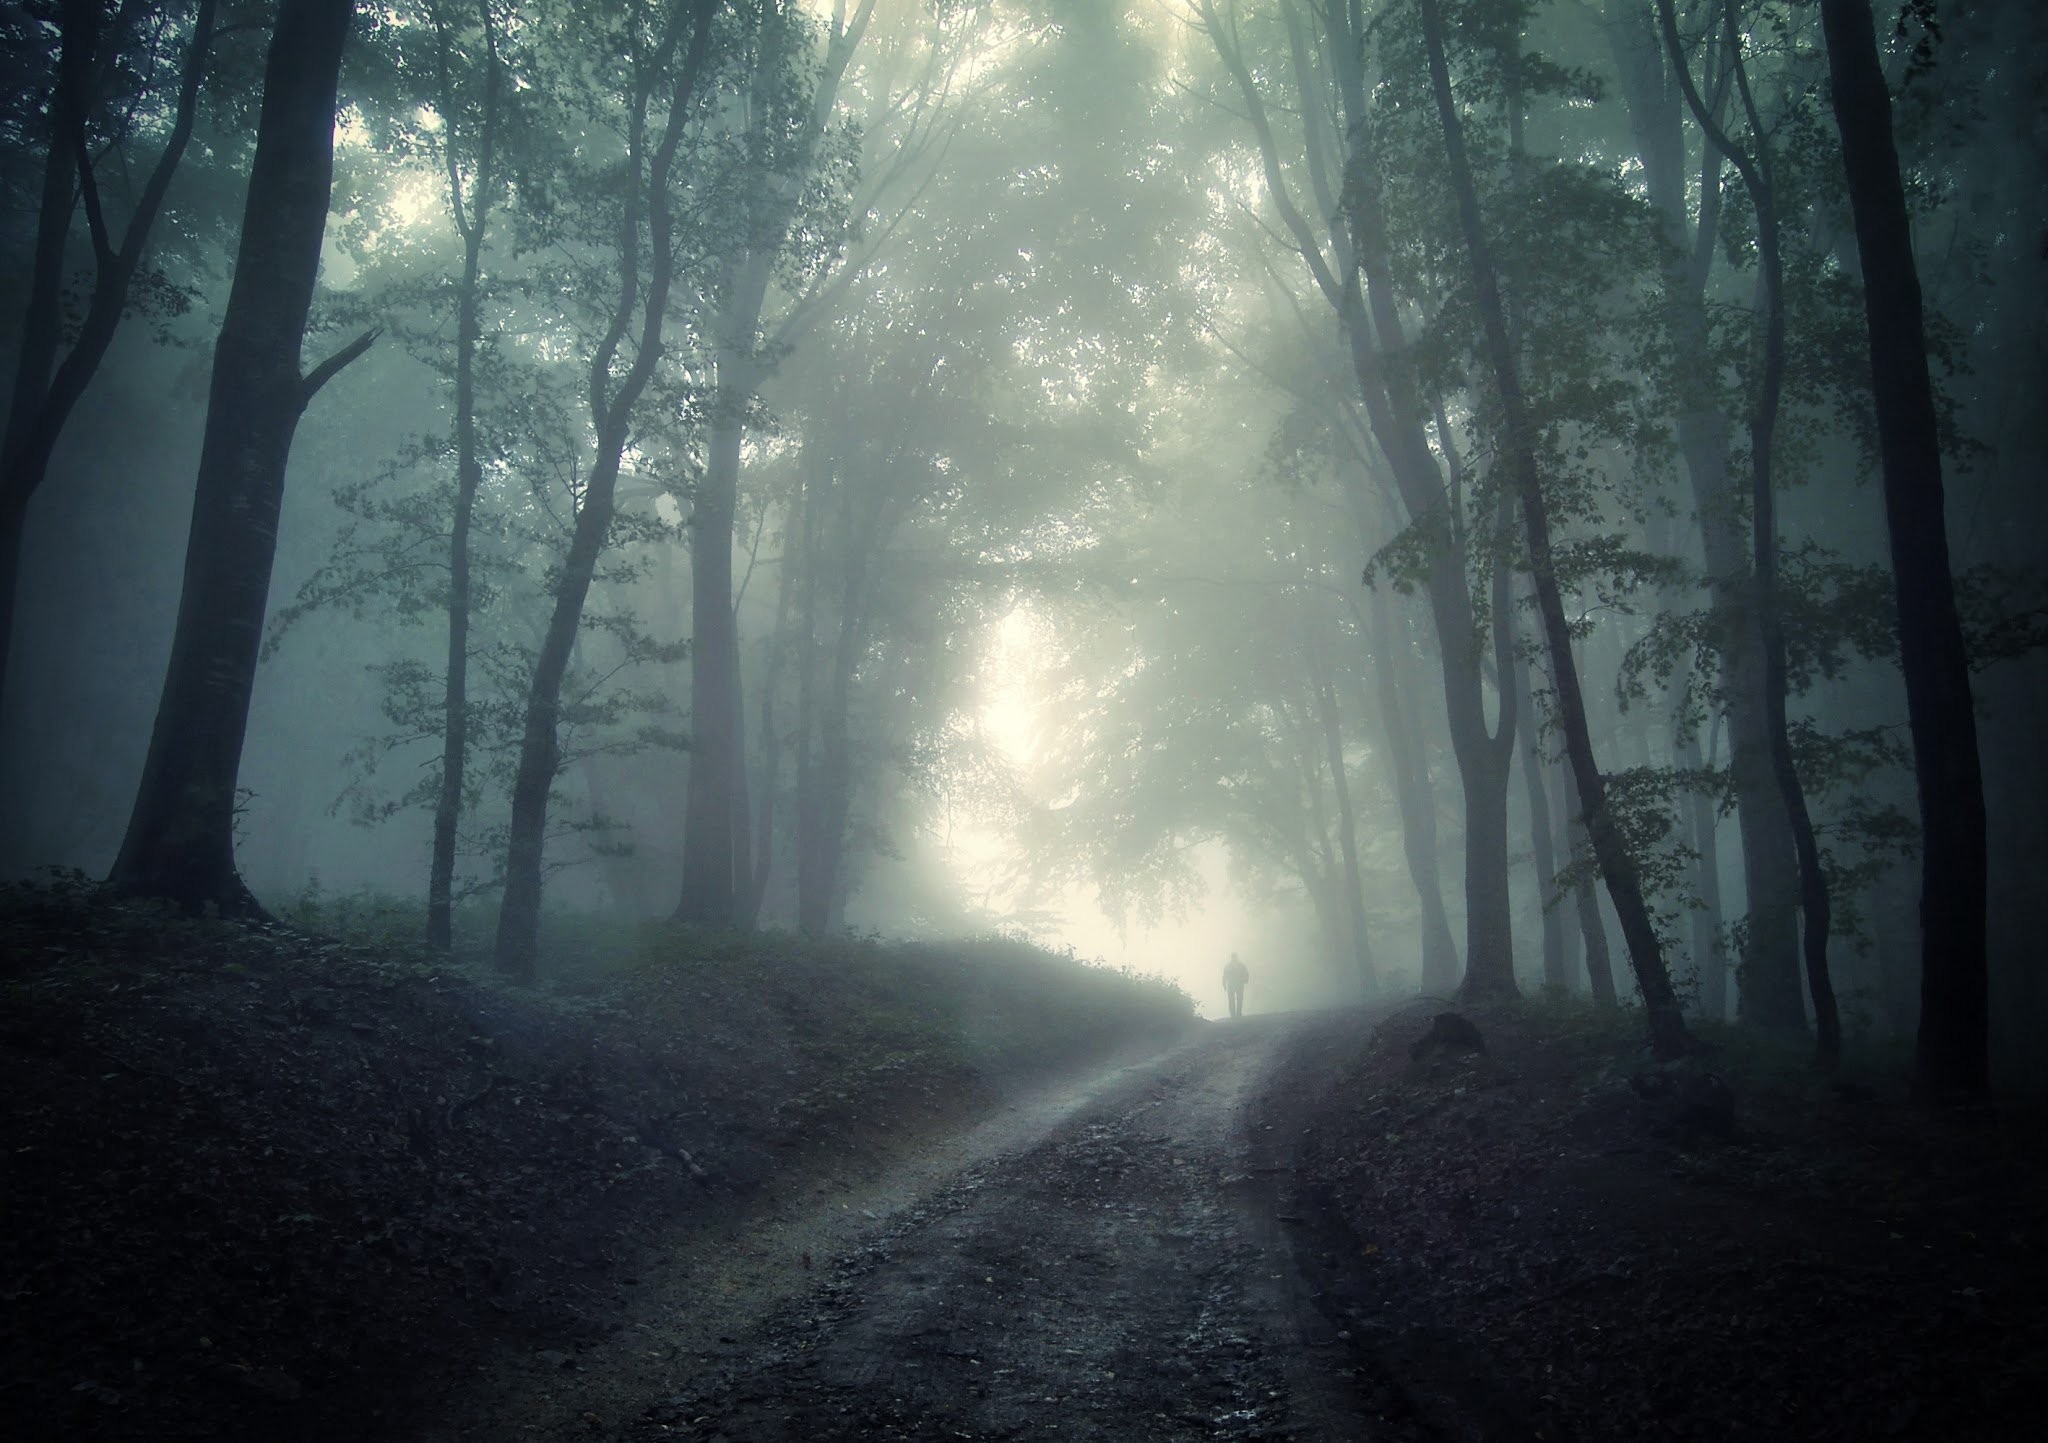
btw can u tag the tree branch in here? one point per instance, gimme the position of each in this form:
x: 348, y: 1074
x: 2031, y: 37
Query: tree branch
x: 335, y: 364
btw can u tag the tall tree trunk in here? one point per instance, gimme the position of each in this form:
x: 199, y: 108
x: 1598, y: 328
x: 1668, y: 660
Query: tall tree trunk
x: 455, y: 686
x: 1770, y: 970
x: 809, y: 819
x: 821, y: 846
x: 1667, y: 1026
x: 1756, y: 178
x: 1329, y: 914
x: 1415, y: 796
x: 1953, y: 1050
x: 742, y: 798
x: 768, y: 750
x: 1352, y: 880
x: 1769, y: 999
x: 518, y: 937
x: 1542, y: 840
x: 708, y: 898
x: 21, y: 470
x: 180, y: 838
x: 1483, y: 755
x: 1703, y: 821
x: 472, y: 222
x: 1359, y: 288
x: 45, y: 391
x: 1592, y: 927
x: 710, y: 870
x: 1317, y: 862
x: 1564, y: 847
x: 801, y: 580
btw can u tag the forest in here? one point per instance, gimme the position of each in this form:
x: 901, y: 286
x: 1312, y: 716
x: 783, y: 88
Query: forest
x: 1470, y: 500
x: 1516, y: 495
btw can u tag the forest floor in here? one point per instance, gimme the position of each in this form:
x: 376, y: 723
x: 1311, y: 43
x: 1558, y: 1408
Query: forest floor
x: 264, y: 1186
x: 261, y: 1184
x: 1555, y: 1239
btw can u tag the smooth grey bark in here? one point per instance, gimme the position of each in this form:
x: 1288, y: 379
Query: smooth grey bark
x: 1953, y: 1056
x: 1816, y: 907
x: 45, y: 390
x: 517, y: 942
x: 1770, y: 867
x: 1668, y: 1035
x: 472, y: 225
x: 180, y: 839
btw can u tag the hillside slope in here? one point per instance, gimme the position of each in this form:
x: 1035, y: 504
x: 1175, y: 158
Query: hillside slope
x: 263, y: 1184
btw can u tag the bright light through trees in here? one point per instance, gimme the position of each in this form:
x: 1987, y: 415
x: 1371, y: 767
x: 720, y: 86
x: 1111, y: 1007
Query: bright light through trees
x: 919, y: 466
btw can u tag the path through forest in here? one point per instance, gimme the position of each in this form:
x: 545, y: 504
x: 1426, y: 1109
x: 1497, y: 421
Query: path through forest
x: 1319, y: 1227
x: 1108, y: 1259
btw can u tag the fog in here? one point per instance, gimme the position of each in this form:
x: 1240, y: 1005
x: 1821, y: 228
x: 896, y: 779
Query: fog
x: 1093, y: 403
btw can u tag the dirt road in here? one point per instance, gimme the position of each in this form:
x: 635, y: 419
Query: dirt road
x: 1110, y: 1259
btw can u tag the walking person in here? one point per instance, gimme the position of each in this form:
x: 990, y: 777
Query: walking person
x: 1235, y: 975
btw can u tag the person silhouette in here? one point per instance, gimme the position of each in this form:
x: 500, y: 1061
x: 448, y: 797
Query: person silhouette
x: 1235, y: 975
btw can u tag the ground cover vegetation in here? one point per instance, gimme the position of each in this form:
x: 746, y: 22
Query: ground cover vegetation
x: 1510, y: 498
x: 1530, y: 1228
x: 264, y: 1182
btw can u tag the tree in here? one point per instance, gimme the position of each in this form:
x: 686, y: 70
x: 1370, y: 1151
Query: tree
x: 46, y: 390
x: 1414, y: 791
x: 1755, y: 170
x: 781, y: 142
x: 1349, y: 880
x: 1355, y: 277
x: 1667, y: 1026
x: 1953, y: 1053
x: 1542, y: 838
x: 473, y: 125
x: 180, y: 838
x: 1770, y: 865
x: 1577, y: 846
x: 646, y: 235
x: 1708, y: 955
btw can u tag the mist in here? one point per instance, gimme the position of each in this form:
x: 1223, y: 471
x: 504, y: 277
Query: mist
x: 1065, y: 490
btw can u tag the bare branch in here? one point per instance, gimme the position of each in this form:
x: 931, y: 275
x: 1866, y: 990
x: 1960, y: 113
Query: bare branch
x: 335, y: 364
